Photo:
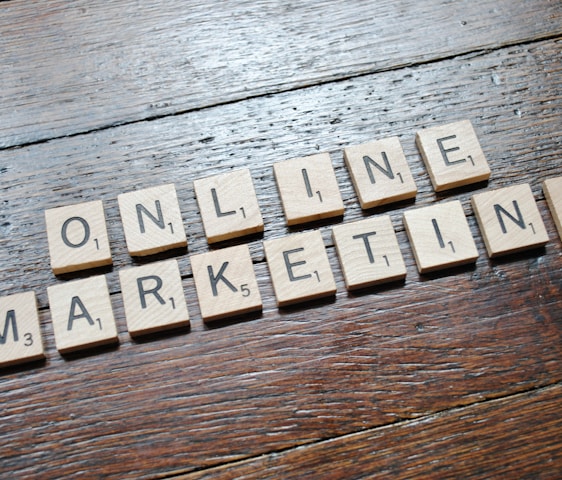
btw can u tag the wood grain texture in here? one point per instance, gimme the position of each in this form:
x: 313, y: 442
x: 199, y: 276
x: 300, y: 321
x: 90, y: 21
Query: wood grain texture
x: 96, y: 64
x: 514, y: 437
x: 407, y: 354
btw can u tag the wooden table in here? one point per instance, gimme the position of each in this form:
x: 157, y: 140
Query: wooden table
x: 455, y: 374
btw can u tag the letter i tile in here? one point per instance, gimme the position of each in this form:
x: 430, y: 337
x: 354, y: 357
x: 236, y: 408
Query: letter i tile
x: 82, y: 315
x: 20, y: 336
x: 440, y: 236
x: 299, y: 268
x: 226, y: 283
x: 308, y: 188
x: 152, y: 220
x: 153, y: 297
x: 77, y: 237
x: 369, y: 252
x: 553, y: 192
x: 452, y: 155
x: 509, y: 220
x: 229, y: 206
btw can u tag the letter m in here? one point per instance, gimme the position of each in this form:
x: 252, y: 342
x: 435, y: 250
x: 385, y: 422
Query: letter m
x: 10, y: 319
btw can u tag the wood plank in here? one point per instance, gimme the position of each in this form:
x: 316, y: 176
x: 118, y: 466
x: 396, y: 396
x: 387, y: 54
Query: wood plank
x: 217, y: 394
x: 97, y: 64
x: 470, y: 443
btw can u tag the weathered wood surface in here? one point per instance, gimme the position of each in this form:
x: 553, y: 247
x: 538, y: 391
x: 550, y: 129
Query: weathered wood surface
x: 69, y: 68
x: 316, y: 382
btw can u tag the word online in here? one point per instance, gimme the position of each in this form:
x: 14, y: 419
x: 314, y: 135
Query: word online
x: 225, y: 281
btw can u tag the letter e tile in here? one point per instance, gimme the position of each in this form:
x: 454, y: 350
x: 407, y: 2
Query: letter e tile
x: 152, y: 220
x: 153, y: 297
x: 369, y: 252
x: 509, y: 220
x: 77, y: 237
x: 308, y: 188
x: 379, y: 172
x: 226, y: 283
x: 20, y: 334
x: 452, y: 155
x: 299, y: 268
x: 81, y: 314
x: 440, y: 236
x: 229, y: 206
x: 553, y: 192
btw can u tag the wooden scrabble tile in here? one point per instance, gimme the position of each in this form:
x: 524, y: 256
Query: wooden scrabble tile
x: 553, y: 192
x: 308, y: 189
x: 379, y: 172
x: 152, y: 220
x: 452, y: 155
x: 226, y: 283
x: 440, y: 236
x: 299, y: 268
x: 20, y: 335
x: 81, y: 314
x: 509, y: 220
x: 369, y: 252
x: 153, y: 297
x: 77, y: 237
x: 229, y: 206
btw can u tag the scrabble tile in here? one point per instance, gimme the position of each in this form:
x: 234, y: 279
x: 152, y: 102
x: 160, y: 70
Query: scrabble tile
x: 153, y: 297
x: 152, y: 220
x: 299, y: 268
x: 379, y: 172
x: 440, y: 236
x: 228, y: 205
x: 77, y: 237
x: 81, y: 314
x: 509, y: 220
x: 452, y: 155
x: 20, y: 334
x: 553, y: 192
x: 226, y: 283
x: 368, y: 251
x: 308, y: 189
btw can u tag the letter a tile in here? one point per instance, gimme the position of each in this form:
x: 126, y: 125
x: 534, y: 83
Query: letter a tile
x: 153, y: 297
x: 226, y: 283
x: 77, y: 237
x: 553, y: 192
x: 152, y: 220
x: 509, y: 220
x: 440, y: 236
x: 379, y: 172
x: 452, y: 155
x: 308, y: 188
x: 20, y: 334
x: 229, y: 206
x: 299, y: 268
x: 81, y: 314
x: 369, y: 252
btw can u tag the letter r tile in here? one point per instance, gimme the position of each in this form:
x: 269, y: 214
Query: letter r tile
x: 153, y: 297
x: 152, y: 220
x: 226, y: 283
x: 299, y: 268
x: 82, y: 315
x: 440, y: 236
x: 369, y: 252
x: 228, y: 205
x: 308, y: 188
x: 509, y: 220
x: 380, y: 172
x: 452, y: 155
x: 553, y: 192
x: 77, y: 237
x: 20, y: 334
